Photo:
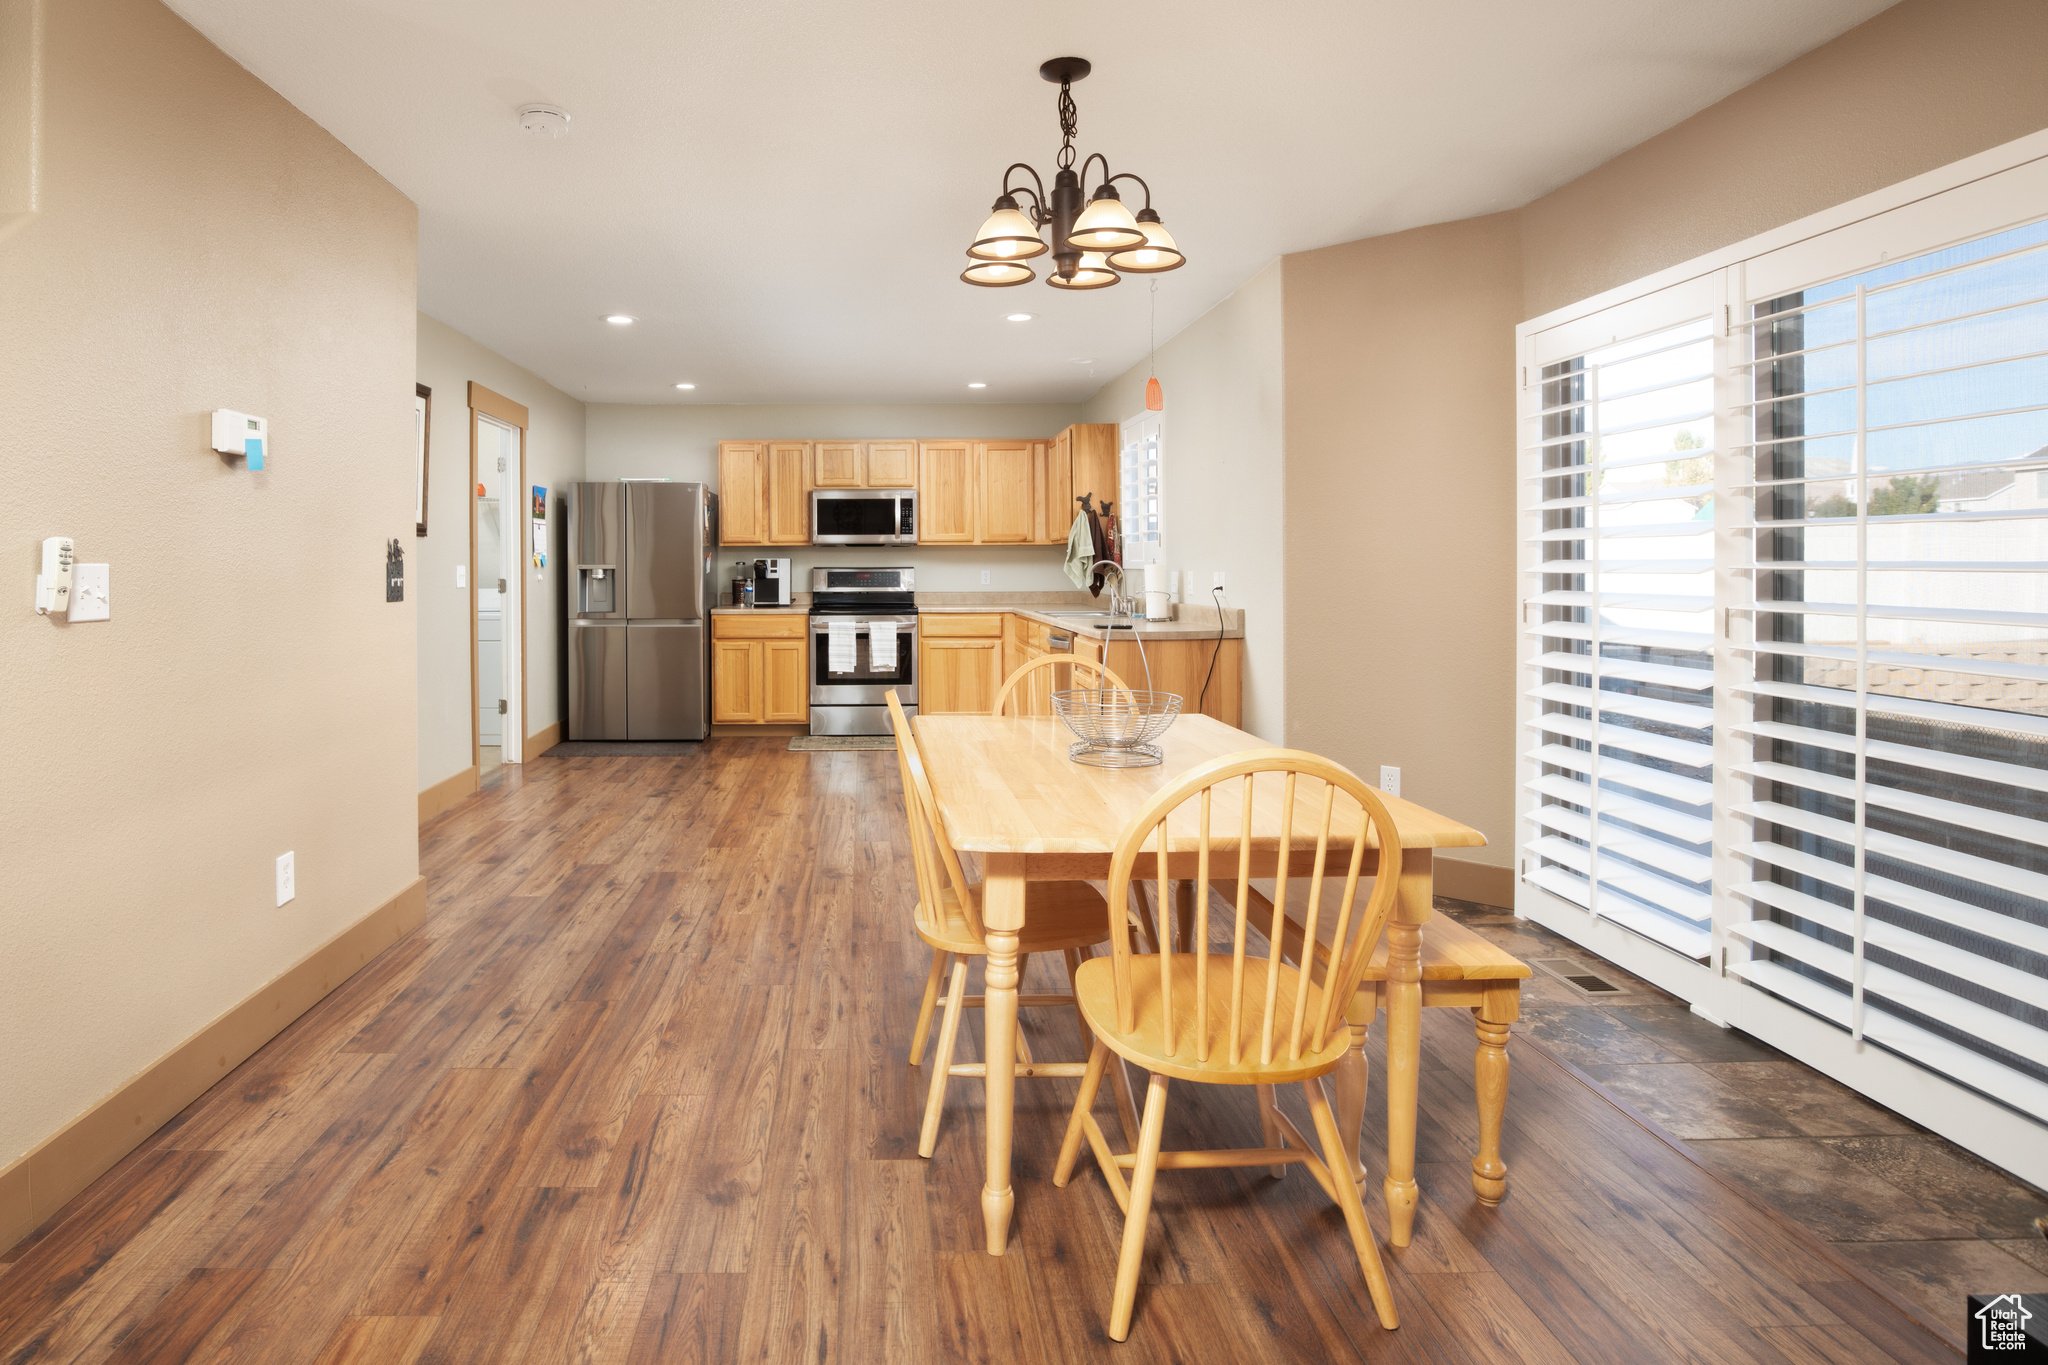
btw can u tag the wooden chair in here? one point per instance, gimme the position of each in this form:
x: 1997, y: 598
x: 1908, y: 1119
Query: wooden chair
x: 1038, y: 682
x: 1182, y: 1018
x: 1061, y: 917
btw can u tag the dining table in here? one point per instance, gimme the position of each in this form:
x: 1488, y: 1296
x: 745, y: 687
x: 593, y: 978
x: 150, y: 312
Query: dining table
x: 1009, y: 793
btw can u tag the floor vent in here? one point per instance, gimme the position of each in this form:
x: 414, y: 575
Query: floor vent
x: 1576, y: 976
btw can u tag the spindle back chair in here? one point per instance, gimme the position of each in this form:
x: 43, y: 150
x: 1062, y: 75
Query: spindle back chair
x: 1037, y: 680
x: 1253, y: 1018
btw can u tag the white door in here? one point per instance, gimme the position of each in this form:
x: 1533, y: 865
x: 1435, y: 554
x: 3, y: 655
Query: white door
x: 500, y: 620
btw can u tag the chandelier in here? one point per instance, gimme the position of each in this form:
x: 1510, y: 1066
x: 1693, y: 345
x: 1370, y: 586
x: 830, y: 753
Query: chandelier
x: 1093, y: 244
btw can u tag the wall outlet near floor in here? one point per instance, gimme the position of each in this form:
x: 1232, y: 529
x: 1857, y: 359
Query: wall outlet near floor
x: 1390, y: 780
x: 984, y: 578
x: 287, y: 878
x: 1216, y: 579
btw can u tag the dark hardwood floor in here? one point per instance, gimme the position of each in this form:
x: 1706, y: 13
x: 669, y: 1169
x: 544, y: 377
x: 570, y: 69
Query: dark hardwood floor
x: 637, y: 1092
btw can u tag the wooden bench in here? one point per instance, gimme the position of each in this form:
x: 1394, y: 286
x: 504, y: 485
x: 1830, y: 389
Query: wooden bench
x: 1459, y: 968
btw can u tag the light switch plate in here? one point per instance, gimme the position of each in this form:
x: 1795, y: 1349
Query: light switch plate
x: 462, y: 575
x: 287, y: 878
x: 90, y: 599
x: 1390, y: 780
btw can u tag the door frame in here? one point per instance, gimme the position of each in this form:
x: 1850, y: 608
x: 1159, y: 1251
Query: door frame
x: 511, y: 511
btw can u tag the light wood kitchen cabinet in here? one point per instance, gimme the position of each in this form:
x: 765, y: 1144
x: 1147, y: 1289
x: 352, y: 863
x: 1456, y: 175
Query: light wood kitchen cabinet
x: 839, y: 464
x: 760, y: 669
x: 1010, y: 488
x: 736, y: 682
x: 789, y: 492
x: 1058, y: 506
x: 742, y: 493
x: 1180, y: 666
x: 1091, y: 458
x: 892, y: 464
x: 959, y: 676
x: 787, y: 684
x: 945, y: 494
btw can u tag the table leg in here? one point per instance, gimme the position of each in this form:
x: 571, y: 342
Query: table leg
x: 1002, y: 915
x: 1404, y: 1038
x: 1490, y: 1079
x: 1353, y: 1077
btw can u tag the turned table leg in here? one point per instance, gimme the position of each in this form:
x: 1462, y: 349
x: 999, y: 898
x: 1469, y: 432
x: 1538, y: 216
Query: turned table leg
x: 1490, y: 1084
x: 1003, y: 916
x: 1412, y: 909
x: 1353, y: 1075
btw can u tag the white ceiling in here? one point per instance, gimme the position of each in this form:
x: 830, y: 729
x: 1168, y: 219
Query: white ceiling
x: 781, y: 190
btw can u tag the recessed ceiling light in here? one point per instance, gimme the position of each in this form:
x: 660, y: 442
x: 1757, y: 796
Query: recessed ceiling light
x: 619, y: 319
x: 1020, y: 317
x: 977, y: 385
x: 686, y: 386
x: 1081, y: 360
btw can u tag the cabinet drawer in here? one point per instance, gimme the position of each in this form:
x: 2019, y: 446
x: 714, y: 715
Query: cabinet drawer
x: 933, y: 626
x: 775, y: 627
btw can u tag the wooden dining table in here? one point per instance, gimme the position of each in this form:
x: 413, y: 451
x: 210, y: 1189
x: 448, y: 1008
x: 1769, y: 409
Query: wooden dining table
x: 1008, y: 793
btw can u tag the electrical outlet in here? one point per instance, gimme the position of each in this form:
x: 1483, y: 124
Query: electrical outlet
x: 984, y: 578
x: 1173, y: 585
x: 1390, y: 780
x: 1216, y: 579
x: 287, y: 878
x: 462, y: 575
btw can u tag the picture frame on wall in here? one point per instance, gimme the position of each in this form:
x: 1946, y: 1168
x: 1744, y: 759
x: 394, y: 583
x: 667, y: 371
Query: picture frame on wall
x: 422, y: 414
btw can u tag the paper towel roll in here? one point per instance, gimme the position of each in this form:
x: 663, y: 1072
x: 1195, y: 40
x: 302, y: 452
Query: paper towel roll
x: 1155, y: 579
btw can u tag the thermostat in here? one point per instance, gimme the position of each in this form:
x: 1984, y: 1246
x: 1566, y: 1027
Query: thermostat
x: 237, y: 433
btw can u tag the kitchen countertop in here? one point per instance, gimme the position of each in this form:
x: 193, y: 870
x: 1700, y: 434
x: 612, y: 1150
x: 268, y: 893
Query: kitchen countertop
x: 1196, y: 622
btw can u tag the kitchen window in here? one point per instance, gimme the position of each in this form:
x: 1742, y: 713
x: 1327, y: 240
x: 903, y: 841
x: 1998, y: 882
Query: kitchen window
x: 1138, y: 515
x: 1784, y: 642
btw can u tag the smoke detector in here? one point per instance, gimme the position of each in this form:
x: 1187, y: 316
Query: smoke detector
x: 543, y: 120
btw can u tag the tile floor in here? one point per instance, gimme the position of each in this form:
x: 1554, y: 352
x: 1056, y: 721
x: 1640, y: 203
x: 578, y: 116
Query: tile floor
x: 1913, y: 1210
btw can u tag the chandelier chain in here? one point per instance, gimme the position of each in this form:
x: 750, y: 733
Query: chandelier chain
x: 1069, y: 122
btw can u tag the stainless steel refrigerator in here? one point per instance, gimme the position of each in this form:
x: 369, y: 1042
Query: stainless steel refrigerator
x: 640, y: 597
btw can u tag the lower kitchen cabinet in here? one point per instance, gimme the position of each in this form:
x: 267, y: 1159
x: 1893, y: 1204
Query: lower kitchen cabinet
x: 760, y: 670
x: 1181, y: 666
x: 959, y: 676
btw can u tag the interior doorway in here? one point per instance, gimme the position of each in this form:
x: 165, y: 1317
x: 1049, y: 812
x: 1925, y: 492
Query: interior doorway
x: 497, y: 558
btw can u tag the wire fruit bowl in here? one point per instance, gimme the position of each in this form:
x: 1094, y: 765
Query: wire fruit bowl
x: 1116, y: 725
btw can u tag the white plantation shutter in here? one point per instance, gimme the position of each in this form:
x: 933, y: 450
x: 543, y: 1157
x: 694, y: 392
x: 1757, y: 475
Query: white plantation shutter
x: 1895, y: 670
x: 1618, y: 511
x: 1783, y: 712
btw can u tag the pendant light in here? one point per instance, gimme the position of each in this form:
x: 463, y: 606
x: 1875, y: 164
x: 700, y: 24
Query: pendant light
x: 1095, y: 238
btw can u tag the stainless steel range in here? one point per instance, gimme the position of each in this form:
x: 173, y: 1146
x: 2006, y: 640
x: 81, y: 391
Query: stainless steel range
x: 848, y: 682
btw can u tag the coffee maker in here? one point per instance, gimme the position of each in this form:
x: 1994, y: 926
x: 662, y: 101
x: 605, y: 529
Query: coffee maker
x: 772, y: 580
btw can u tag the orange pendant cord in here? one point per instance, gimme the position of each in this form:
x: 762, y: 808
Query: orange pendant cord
x: 1155, y: 400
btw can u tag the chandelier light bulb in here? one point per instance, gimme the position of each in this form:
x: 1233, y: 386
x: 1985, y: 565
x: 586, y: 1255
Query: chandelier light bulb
x: 1007, y: 235
x: 1106, y: 225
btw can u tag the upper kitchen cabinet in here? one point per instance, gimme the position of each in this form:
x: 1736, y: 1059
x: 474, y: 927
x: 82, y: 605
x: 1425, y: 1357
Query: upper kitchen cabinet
x: 839, y: 464
x: 1088, y: 451
x: 789, y: 492
x: 946, y: 493
x: 892, y: 464
x: 1012, y: 486
x: 742, y: 493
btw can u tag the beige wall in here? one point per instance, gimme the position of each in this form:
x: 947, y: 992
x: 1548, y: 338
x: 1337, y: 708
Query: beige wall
x: 1223, y: 496
x: 1925, y: 83
x: 680, y: 441
x: 448, y: 362
x: 1400, y: 510
x: 253, y: 692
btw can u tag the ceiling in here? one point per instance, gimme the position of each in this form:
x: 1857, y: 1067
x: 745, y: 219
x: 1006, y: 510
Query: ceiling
x: 781, y: 190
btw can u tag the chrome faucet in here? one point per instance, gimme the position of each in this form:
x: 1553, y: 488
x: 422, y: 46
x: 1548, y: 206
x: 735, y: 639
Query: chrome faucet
x: 1118, y: 603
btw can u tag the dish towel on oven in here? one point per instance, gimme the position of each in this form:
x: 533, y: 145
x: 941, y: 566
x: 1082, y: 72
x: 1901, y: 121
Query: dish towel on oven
x: 881, y: 647
x: 840, y: 633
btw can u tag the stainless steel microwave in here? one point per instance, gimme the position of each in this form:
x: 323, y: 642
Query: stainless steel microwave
x: 864, y: 516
